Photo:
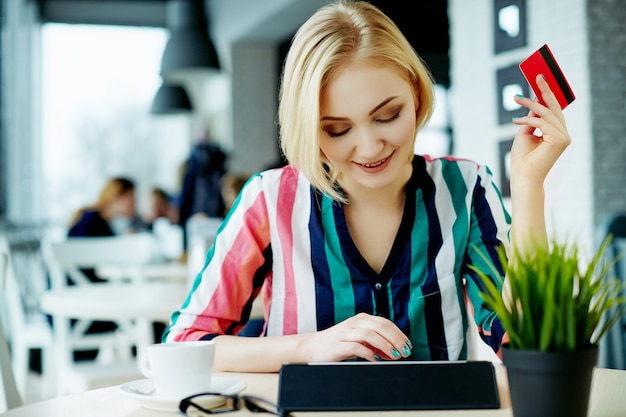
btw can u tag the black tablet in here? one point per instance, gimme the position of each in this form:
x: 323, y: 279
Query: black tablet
x: 398, y: 385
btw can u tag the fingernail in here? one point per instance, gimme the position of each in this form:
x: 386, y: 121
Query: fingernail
x: 377, y: 358
x: 395, y: 353
x: 409, y: 344
x: 519, y: 95
x: 515, y: 118
x: 406, y: 351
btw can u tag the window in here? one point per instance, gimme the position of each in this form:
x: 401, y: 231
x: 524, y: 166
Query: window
x: 98, y: 85
x: 435, y: 139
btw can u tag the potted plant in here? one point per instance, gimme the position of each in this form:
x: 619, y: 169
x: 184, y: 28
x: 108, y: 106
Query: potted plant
x: 555, y: 312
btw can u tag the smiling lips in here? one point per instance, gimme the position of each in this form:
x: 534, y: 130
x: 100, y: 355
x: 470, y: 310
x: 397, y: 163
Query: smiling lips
x: 382, y: 161
x: 374, y: 166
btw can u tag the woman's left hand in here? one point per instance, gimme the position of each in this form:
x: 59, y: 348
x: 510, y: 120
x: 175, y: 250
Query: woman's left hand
x: 533, y: 156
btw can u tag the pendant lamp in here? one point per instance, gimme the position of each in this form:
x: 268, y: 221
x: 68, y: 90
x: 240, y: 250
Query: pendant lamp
x: 171, y: 99
x: 189, y: 52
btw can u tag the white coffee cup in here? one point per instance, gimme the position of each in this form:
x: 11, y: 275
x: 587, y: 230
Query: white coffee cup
x: 179, y: 369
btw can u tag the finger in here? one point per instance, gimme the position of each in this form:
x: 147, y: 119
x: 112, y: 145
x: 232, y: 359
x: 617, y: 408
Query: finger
x: 359, y: 344
x: 363, y: 336
x: 379, y: 345
x: 525, y: 128
x: 549, y: 133
x: 537, y: 114
x: 385, y: 336
x: 535, y: 109
x: 546, y: 94
x: 549, y: 124
x: 360, y: 350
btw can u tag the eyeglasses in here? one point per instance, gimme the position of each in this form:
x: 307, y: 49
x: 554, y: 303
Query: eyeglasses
x: 192, y: 406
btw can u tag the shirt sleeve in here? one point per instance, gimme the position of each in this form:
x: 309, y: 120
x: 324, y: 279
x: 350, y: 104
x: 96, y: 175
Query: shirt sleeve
x: 490, y: 226
x: 236, y: 268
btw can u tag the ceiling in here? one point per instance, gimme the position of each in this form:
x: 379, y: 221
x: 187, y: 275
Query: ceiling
x: 426, y: 28
x: 104, y: 12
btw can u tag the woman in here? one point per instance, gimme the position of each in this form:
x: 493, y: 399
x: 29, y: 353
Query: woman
x: 160, y: 205
x: 109, y: 216
x: 361, y: 247
x: 112, y: 214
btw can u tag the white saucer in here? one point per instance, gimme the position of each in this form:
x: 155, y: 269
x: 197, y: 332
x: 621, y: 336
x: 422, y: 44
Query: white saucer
x: 143, y: 391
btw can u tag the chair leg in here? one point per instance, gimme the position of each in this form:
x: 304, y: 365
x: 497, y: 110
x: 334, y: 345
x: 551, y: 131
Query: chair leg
x: 48, y: 372
x: 10, y: 396
x: 21, y: 358
x: 106, y: 354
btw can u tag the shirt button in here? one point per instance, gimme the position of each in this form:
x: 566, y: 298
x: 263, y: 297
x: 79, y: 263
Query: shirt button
x: 378, y: 286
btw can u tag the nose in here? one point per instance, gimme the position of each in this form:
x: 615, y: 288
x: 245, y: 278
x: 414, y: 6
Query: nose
x: 369, y: 144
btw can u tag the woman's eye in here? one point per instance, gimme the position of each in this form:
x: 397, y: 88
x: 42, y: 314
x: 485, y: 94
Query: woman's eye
x: 335, y: 134
x: 389, y: 118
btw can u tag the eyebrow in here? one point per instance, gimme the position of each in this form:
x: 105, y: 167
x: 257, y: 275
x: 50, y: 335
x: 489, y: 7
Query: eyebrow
x: 374, y: 110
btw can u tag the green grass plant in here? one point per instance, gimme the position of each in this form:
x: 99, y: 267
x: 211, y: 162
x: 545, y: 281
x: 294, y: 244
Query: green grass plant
x: 554, y: 305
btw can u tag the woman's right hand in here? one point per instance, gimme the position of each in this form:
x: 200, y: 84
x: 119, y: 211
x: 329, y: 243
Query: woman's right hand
x: 364, y: 336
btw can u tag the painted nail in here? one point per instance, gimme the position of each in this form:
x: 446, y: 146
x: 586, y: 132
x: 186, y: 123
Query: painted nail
x: 395, y: 353
x: 515, y: 118
x: 519, y: 95
x: 377, y: 358
x: 409, y: 344
x: 406, y: 351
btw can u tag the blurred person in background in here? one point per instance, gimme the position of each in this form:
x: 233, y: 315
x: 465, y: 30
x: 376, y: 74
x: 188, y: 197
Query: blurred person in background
x: 160, y: 205
x: 112, y: 214
x: 232, y: 183
x: 200, y: 192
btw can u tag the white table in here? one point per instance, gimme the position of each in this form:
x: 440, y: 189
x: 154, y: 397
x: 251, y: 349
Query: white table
x: 143, y: 302
x: 138, y: 304
x: 607, y: 400
x: 157, y: 271
x: 156, y: 299
x: 111, y: 301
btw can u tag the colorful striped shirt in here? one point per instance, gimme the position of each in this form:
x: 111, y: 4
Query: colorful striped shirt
x: 285, y: 241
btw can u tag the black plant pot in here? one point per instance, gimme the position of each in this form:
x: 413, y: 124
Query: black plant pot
x: 549, y: 384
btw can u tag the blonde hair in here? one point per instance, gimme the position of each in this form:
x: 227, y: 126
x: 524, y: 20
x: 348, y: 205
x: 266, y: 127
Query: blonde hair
x: 337, y: 34
x: 112, y: 190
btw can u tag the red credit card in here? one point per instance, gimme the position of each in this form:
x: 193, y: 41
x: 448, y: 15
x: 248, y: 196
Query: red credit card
x: 542, y: 62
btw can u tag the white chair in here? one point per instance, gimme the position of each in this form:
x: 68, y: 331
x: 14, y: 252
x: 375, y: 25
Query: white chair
x: 477, y: 349
x: 201, y: 231
x: 27, y: 330
x: 115, y: 362
x: 10, y: 396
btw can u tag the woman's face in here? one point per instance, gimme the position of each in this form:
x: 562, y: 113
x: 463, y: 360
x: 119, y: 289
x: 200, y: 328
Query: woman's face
x: 124, y: 205
x: 368, y: 127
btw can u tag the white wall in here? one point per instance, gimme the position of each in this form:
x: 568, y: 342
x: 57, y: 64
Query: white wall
x: 248, y: 47
x: 562, y: 25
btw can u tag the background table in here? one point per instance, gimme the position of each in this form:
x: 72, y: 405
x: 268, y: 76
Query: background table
x: 111, y: 301
x: 607, y: 400
x: 157, y: 271
x: 143, y: 302
x: 135, y: 306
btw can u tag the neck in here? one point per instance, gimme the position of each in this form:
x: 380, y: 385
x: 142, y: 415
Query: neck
x: 380, y: 199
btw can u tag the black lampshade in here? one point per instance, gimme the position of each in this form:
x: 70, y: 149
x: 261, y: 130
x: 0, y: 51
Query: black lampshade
x: 189, y: 51
x: 171, y: 99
